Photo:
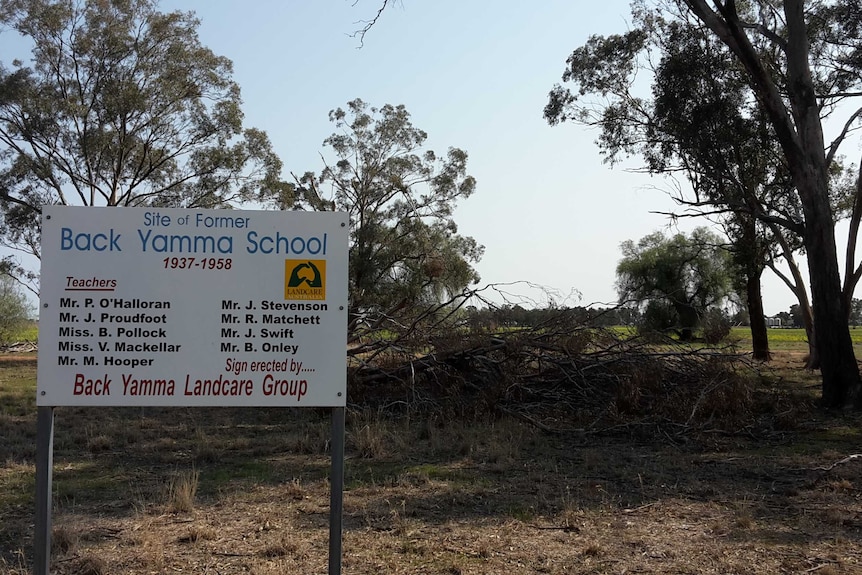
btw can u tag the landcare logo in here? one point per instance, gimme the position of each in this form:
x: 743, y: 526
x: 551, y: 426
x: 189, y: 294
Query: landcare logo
x: 304, y: 279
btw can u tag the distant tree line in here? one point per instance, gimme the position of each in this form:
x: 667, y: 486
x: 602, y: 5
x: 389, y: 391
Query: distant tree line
x: 652, y: 318
x: 794, y: 316
x: 516, y: 316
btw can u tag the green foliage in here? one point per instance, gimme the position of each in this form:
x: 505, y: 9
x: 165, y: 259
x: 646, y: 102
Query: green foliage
x: 795, y: 318
x: 121, y: 105
x: 715, y: 325
x: 658, y: 317
x: 28, y: 331
x: 404, y: 247
x: 688, y: 274
x: 661, y: 316
x: 16, y: 312
x: 702, y: 108
x: 856, y: 312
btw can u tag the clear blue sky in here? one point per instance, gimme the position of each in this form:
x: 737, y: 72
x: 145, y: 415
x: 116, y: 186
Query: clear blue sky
x: 474, y: 75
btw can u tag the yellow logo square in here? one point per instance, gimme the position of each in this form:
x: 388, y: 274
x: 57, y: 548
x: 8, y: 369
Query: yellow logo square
x: 305, y: 279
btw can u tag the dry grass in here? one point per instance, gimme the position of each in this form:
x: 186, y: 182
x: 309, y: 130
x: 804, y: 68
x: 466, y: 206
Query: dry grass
x: 90, y: 565
x: 198, y: 533
x: 63, y: 541
x: 182, y: 490
x: 235, y: 491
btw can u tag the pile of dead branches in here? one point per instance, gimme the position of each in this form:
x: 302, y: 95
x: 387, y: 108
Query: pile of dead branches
x: 561, y: 376
x: 19, y: 347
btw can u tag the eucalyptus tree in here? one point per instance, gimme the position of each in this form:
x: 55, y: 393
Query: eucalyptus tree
x: 802, y: 59
x: 784, y: 67
x: 405, y: 250
x: 697, y: 122
x: 120, y: 105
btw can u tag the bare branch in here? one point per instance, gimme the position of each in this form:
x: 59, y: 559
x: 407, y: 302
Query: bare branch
x: 368, y: 24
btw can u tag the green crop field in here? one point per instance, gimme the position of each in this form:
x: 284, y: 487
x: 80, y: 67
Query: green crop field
x: 789, y: 335
x: 788, y: 339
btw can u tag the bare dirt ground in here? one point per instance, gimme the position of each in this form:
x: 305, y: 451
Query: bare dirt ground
x: 229, y: 491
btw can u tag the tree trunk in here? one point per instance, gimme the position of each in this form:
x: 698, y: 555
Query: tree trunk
x: 797, y: 286
x: 807, y: 162
x: 688, y: 318
x: 757, y: 321
x: 852, y: 272
x: 813, y: 359
x: 833, y: 344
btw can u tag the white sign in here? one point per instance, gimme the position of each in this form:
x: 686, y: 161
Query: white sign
x: 181, y: 307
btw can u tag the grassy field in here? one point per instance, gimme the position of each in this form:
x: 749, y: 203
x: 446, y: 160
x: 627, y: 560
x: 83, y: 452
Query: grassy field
x: 792, y: 338
x: 788, y: 335
x: 229, y: 491
x: 788, y: 339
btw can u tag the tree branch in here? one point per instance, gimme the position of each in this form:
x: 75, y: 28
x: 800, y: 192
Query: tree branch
x: 368, y: 24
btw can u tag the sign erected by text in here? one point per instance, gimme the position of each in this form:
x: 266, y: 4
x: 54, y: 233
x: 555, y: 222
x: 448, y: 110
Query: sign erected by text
x: 181, y: 307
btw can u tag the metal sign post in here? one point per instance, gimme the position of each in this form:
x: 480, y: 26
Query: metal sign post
x: 44, y: 467
x: 44, y: 471
x: 336, y: 491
